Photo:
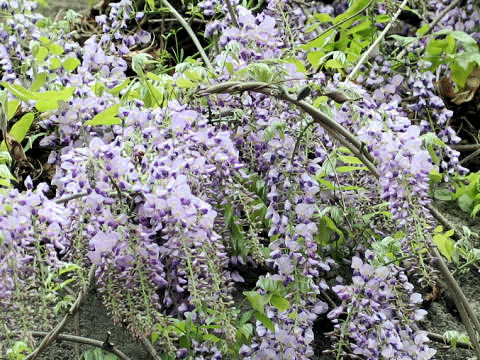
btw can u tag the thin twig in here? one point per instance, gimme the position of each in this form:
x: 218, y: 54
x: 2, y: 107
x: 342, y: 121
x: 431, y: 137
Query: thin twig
x: 468, y: 325
x: 190, y: 32
x: 470, y: 157
x: 76, y: 322
x: 334, y: 26
x: 441, y: 15
x: 71, y: 197
x: 367, y: 53
x: 232, y: 13
x: 468, y: 147
x: 83, y: 340
x: 68, y: 198
x: 53, y: 334
x: 149, y: 347
x: 443, y: 220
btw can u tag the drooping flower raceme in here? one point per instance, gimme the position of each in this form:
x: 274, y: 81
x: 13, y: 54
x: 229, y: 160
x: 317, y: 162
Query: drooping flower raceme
x: 381, y: 313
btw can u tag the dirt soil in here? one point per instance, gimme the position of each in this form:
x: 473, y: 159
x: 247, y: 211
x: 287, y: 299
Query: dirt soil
x: 94, y: 322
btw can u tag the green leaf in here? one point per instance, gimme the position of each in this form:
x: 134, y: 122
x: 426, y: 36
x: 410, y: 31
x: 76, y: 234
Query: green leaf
x: 460, y: 73
x: 107, y: 117
x: 98, y: 88
x: 229, y: 67
x: 314, y: 57
x: 445, y: 245
x: 280, y: 303
x: 422, y: 30
x: 364, y: 25
x: 151, y: 3
x: 55, y: 49
x: 334, y: 64
x: 442, y: 194
x: 436, y: 47
x: 228, y: 214
x: 323, y: 18
x: 382, y: 18
x: 55, y: 63
x: 272, y: 130
x: 39, y: 81
x: 5, y: 157
x: 257, y: 301
x: 41, y: 53
x: 344, y: 169
x: 435, y: 176
x: 97, y: 354
x: 71, y: 64
x: 117, y: 89
x: 468, y: 42
x: 19, y: 91
x: 475, y: 210
x: 5, y: 183
x: 185, y: 83
x: 47, y: 100
x: 350, y: 159
x: 356, y: 6
x: 44, y: 40
x: 265, y: 321
x: 211, y: 337
x: 320, y: 41
x: 5, y: 172
x: 404, y: 40
x: 273, y: 286
x: 19, y: 129
x: 326, y: 183
x: 246, y: 330
x: 12, y: 108
x: 246, y: 316
x: 193, y: 75
x: 465, y: 203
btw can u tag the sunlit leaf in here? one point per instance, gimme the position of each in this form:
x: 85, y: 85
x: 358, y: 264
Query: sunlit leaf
x: 107, y: 117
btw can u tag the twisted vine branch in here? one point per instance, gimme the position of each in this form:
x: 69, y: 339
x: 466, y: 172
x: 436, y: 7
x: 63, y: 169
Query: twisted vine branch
x: 84, y: 340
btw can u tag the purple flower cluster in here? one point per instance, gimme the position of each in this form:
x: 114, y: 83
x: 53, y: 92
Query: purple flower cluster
x: 292, y: 338
x: 15, y: 33
x: 169, y: 177
x: 436, y: 116
x: 293, y: 194
x: 381, y: 314
x: 154, y: 190
x: 462, y: 18
x: 34, y: 239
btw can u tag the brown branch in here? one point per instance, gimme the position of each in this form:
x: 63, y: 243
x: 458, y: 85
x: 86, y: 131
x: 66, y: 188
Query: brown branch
x: 53, y: 334
x: 190, y: 32
x: 470, y: 157
x: 231, y: 11
x: 366, y: 54
x: 333, y: 128
x: 149, y: 347
x: 467, y: 147
x: 465, y: 310
x: 83, y: 340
